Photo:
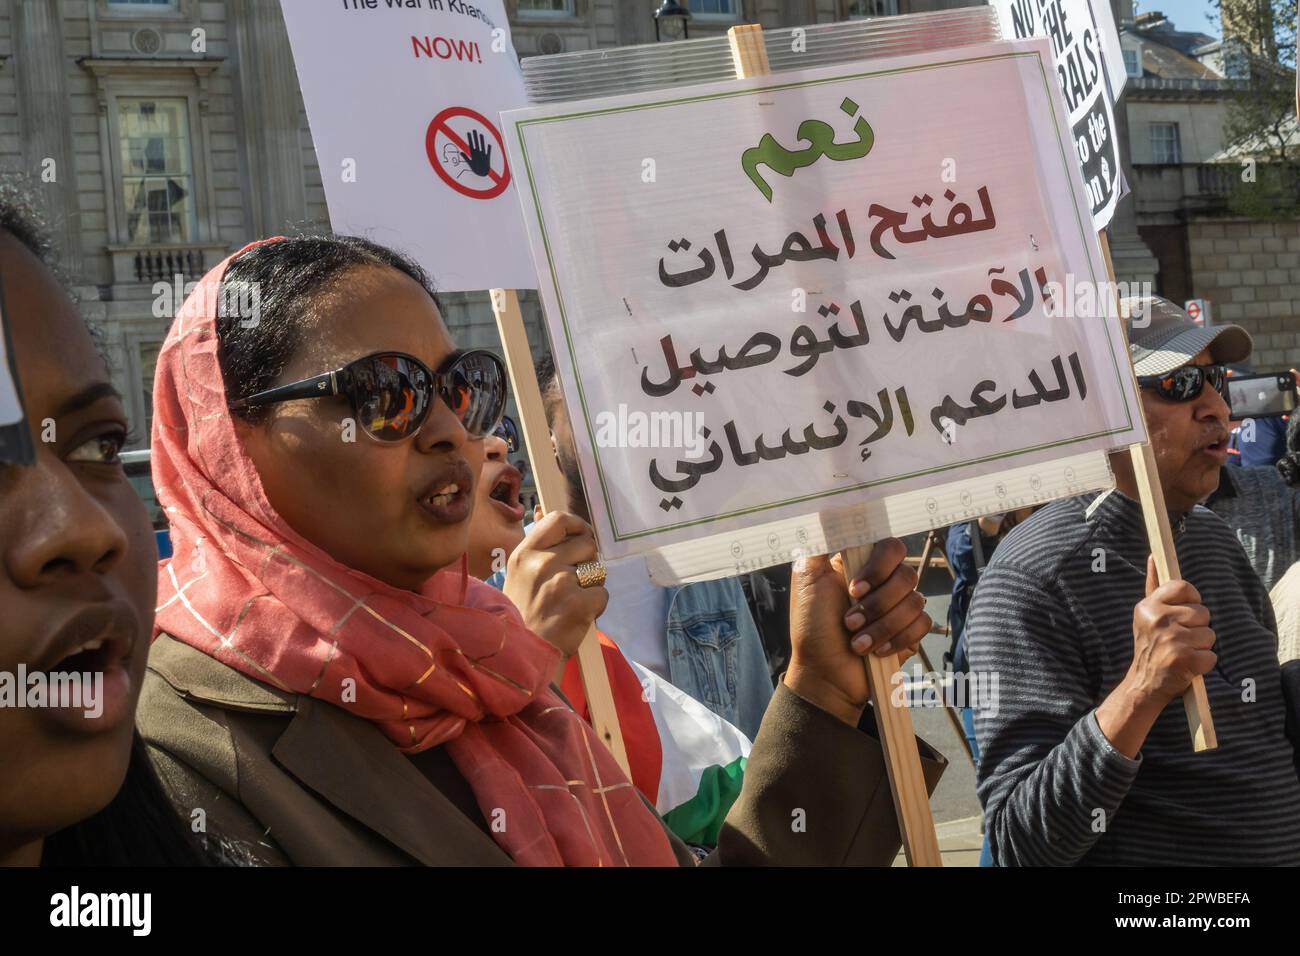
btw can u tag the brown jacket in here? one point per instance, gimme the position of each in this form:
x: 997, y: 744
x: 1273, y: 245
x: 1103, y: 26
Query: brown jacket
x: 287, y: 779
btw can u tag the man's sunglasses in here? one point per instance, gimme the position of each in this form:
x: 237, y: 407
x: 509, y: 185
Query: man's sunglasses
x: 508, y: 432
x: 1186, y: 383
x: 391, y: 392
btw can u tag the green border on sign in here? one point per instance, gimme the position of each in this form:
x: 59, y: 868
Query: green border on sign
x: 726, y: 94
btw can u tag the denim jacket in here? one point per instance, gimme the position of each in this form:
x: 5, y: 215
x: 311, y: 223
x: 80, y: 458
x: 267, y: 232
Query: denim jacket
x: 715, y: 653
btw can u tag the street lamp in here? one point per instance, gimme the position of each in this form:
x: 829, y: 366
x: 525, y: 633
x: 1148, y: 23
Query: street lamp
x: 671, y: 10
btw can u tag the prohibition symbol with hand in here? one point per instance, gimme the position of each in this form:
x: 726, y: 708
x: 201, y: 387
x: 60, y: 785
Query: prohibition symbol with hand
x: 464, y: 159
x: 480, y: 154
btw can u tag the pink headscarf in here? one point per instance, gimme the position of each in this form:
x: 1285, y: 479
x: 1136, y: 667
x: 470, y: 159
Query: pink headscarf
x: 453, y: 665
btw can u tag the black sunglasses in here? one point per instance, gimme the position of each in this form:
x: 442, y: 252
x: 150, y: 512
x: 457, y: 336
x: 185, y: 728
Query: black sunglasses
x: 508, y: 432
x: 1186, y: 383
x: 391, y: 392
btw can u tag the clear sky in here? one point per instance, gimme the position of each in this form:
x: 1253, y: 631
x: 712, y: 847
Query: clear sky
x: 1186, y: 15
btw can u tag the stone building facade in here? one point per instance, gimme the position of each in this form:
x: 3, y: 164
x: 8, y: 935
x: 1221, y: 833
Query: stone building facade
x: 161, y: 135
x: 108, y: 107
x: 1177, y: 103
x: 1250, y: 272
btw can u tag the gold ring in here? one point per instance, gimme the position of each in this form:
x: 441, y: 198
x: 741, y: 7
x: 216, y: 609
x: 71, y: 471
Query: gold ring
x: 591, y: 574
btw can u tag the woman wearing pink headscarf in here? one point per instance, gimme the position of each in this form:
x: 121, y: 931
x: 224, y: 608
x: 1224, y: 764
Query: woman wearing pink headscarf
x: 328, y: 685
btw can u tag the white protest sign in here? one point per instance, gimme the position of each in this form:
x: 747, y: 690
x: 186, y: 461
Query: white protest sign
x: 15, y: 440
x: 403, y: 97
x: 831, y: 297
x: 11, y: 408
x: 1090, y: 68
x: 11, y: 405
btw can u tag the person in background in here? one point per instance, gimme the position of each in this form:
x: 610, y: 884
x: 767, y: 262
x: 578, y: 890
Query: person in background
x: 1263, y: 443
x: 968, y: 547
x: 498, y: 523
x: 1087, y: 758
x: 1285, y: 597
x: 1263, y: 511
x: 553, y: 603
x: 768, y: 592
x: 77, y: 584
x: 1286, y: 605
x: 1257, y: 493
x: 686, y: 760
x: 698, y: 637
x: 1267, y: 445
x: 1288, y: 466
x: 1285, y: 594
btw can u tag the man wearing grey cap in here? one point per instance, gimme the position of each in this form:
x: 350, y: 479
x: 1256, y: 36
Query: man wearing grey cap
x: 1087, y: 758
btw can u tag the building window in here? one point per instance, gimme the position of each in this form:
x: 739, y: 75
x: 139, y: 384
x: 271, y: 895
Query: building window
x: 863, y: 9
x: 1164, y: 143
x: 712, y: 8
x: 1236, y: 60
x: 142, y: 7
x: 545, y: 8
x: 157, y: 172
x: 1133, y: 63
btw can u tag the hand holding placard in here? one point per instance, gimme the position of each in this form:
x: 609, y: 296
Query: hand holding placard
x: 832, y: 630
x: 902, y: 759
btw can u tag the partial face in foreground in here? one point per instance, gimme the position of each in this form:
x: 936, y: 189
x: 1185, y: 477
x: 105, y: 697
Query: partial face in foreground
x: 497, y: 525
x: 1190, y: 441
x: 79, y: 569
x: 400, y: 511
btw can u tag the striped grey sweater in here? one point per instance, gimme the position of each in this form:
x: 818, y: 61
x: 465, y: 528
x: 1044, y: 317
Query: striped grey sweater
x: 1058, y: 636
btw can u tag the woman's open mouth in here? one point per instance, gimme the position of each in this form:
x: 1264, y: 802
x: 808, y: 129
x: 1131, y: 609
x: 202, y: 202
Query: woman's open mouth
x: 450, y: 503
x: 505, y: 493
x: 448, y: 498
x: 92, y: 656
x: 86, y: 669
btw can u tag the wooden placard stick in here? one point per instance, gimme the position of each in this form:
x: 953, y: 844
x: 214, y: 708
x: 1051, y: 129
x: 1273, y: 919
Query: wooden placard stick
x: 553, y: 491
x: 897, y: 739
x: 1152, y: 497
